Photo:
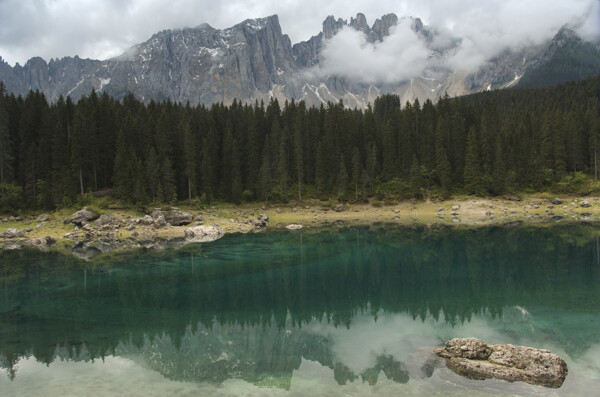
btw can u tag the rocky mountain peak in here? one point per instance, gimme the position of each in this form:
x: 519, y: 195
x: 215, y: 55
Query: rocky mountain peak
x: 360, y: 23
x: 331, y: 26
x: 254, y: 60
x: 382, y: 26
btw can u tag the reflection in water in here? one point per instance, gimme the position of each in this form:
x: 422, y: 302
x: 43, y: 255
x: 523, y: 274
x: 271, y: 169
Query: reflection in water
x: 367, y: 304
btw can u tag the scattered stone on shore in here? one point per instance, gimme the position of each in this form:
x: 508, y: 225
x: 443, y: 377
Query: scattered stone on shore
x: 261, y: 221
x: 12, y: 233
x: 294, y: 226
x: 203, y: 234
x: 489, y: 213
x: 585, y: 204
x: 557, y: 201
x: 338, y: 208
x: 82, y: 216
x: 455, y: 207
x: 475, y: 359
x: 42, y: 242
x: 512, y: 197
x: 43, y: 218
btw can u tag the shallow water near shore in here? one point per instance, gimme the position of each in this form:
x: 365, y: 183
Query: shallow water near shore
x: 354, y: 311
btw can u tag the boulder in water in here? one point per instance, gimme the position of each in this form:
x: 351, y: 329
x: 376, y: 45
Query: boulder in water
x: 475, y: 359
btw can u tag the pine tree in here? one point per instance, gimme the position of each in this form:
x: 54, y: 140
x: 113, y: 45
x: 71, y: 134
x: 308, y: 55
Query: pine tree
x: 298, y: 151
x: 499, y: 173
x: 282, y: 166
x: 342, y: 179
x: 356, y: 171
x: 265, y: 175
x: 153, y: 173
x: 189, y: 153
x: 472, y: 170
x: 416, y: 178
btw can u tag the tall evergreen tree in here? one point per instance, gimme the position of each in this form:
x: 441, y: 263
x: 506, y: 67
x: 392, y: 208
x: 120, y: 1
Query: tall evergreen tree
x: 472, y: 171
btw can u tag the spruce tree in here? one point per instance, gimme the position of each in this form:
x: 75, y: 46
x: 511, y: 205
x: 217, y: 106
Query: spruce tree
x: 342, y: 179
x: 472, y: 170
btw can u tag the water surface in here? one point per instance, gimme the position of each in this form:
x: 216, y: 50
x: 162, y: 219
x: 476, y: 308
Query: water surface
x: 336, y: 312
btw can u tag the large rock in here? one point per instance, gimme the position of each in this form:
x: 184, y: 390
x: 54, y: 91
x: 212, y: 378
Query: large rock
x: 203, y: 234
x: 174, y: 217
x: 294, y: 226
x: 12, y: 233
x: 475, y: 359
x: 105, y: 219
x: 43, y: 218
x: 82, y: 216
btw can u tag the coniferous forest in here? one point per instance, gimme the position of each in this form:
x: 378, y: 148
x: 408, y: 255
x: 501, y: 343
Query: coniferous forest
x: 484, y: 144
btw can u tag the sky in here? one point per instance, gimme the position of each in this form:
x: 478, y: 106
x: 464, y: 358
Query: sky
x: 101, y: 29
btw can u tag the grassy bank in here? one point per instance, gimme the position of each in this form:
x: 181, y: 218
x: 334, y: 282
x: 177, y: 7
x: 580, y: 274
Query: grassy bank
x: 464, y: 210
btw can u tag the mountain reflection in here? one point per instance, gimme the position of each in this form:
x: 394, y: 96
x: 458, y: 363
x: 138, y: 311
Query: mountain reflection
x: 243, y: 306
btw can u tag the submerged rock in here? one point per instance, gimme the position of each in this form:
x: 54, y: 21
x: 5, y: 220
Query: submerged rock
x: 475, y: 359
x: 203, y: 234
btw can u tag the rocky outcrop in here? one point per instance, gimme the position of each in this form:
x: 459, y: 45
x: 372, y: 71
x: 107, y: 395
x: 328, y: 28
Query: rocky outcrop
x: 105, y: 219
x: 475, y: 359
x: 254, y: 60
x: 175, y: 217
x: 203, y: 234
x: 82, y: 217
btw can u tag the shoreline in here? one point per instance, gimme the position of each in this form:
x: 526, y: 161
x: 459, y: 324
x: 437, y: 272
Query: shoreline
x: 127, y: 232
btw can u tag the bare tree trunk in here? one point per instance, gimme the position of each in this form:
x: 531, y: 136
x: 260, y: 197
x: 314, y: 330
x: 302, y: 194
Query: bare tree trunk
x: 95, y: 178
x: 189, y: 187
x: 80, y: 181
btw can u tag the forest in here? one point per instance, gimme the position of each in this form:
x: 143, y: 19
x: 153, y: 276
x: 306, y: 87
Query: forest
x: 53, y: 155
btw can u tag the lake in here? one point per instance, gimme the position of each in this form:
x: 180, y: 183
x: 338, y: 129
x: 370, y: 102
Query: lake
x: 348, y: 312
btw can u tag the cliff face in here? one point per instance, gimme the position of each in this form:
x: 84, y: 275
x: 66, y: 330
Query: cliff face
x: 254, y: 60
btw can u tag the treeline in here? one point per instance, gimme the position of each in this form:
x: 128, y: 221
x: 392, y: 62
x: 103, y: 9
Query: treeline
x: 527, y: 139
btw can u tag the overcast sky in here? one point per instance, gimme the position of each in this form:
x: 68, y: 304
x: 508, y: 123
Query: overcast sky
x: 102, y: 29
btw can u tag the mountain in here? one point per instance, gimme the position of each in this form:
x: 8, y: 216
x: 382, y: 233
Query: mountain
x: 254, y: 60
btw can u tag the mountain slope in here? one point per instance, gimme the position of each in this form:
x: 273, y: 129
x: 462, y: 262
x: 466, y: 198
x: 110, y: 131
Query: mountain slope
x: 567, y: 57
x: 254, y: 60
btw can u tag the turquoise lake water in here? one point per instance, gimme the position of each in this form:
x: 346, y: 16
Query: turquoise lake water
x: 348, y: 312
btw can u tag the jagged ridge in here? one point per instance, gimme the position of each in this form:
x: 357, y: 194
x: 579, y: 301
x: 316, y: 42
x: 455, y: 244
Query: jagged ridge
x: 254, y: 60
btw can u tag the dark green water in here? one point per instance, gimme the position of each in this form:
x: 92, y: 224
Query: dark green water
x: 342, y: 312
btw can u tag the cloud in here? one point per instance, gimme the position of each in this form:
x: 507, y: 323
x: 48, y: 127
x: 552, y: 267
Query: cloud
x: 398, y: 57
x: 107, y: 28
